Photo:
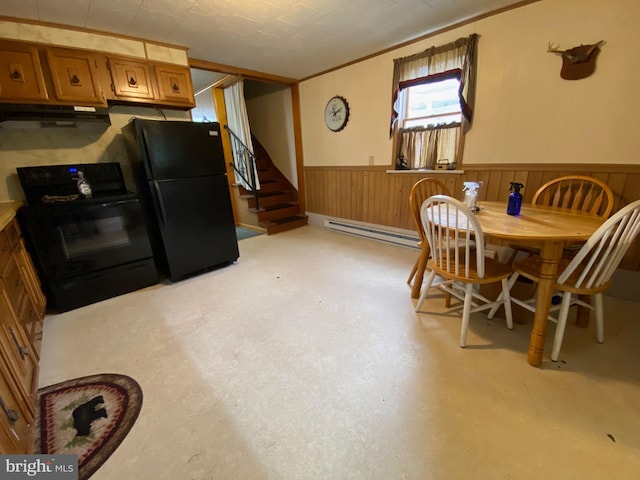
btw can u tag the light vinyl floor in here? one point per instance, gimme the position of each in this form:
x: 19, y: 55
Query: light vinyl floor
x: 306, y: 360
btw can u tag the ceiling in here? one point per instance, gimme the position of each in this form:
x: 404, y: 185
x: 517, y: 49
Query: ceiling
x: 288, y: 38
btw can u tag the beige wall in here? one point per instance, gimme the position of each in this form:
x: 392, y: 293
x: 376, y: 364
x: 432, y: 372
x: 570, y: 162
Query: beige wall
x: 92, y: 41
x: 270, y: 114
x: 525, y: 113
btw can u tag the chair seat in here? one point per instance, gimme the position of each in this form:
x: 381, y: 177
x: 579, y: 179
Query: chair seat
x: 493, y: 270
x: 530, y: 267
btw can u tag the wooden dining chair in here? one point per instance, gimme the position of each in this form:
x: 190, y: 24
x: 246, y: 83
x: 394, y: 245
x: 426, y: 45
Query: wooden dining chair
x: 579, y: 193
x: 458, y: 257
x: 588, y: 273
x: 421, y: 190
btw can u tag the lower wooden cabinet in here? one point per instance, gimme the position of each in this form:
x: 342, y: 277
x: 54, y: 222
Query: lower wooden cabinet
x: 22, y: 307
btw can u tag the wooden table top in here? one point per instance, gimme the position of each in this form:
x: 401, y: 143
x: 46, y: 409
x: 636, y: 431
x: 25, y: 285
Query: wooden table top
x: 536, y: 223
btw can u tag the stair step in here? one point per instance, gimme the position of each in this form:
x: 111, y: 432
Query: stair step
x: 268, y: 174
x: 284, y: 224
x: 273, y: 185
x: 268, y: 185
x: 268, y: 199
x: 278, y: 211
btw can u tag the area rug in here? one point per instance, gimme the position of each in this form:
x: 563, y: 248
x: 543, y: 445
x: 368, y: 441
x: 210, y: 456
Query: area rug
x: 88, y: 417
x: 242, y: 233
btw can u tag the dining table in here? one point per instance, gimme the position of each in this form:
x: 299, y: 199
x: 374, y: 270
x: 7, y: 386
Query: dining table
x: 550, y: 229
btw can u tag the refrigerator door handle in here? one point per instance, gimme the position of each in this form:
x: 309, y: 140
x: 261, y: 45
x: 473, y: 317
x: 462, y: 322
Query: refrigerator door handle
x: 161, y: 209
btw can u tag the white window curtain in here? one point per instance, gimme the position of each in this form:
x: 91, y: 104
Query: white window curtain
x: 238, y: 122
x: 422, y: 147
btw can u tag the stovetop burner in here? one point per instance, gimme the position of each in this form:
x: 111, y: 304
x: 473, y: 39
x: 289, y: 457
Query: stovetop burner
x: 52, y: 184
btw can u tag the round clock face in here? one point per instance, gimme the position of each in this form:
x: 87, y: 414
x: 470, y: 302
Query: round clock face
x: 336, y: 113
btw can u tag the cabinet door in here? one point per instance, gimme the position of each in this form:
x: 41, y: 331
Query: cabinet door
x: 32, y: 282
x: 174, y: 85
x: 25, y: 293
x: 16, y: 425
x: 21, y: 78
x: 130, y: 80
x: 17, y: 351
x: 74, y: 75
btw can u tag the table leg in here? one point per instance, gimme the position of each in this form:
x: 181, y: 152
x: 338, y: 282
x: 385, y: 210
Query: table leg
x: 422, y: 265
x: 551, y: 253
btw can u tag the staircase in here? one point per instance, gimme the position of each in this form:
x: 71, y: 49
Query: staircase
x: 278, y: 209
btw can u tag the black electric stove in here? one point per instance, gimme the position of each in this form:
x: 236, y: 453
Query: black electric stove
x: 86, y: 248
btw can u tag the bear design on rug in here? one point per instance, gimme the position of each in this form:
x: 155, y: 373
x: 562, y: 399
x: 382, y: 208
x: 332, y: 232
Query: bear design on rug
x: 86, y: 413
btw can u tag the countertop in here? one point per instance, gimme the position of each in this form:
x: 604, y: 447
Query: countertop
x: 8, y: 212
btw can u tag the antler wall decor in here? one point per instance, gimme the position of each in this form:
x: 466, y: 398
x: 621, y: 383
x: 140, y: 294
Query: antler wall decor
x: 577, y: 62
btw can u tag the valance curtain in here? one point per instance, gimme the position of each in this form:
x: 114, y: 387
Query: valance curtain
x: 453, y: 60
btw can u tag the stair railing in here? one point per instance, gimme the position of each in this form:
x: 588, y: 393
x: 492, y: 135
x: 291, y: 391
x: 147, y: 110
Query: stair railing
x: 243, y: 157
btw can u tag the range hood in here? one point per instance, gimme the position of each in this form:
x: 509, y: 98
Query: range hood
x: 52, y: 116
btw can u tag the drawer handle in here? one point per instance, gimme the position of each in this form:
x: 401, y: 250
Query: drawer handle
x: 22, y: 350
x: 12, y: 415
x: 75, y: 80
x: 15, y: 75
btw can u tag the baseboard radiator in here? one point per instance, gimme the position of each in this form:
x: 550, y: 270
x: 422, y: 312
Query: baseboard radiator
x: 372, y: 233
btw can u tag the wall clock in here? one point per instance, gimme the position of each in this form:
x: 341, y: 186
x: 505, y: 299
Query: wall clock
x: 336, y: 113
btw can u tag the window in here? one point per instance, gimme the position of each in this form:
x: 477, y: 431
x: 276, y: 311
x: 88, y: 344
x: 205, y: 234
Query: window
x: 432, y: 104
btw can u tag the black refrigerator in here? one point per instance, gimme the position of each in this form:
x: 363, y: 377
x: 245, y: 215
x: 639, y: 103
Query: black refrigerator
x: 180, y: 174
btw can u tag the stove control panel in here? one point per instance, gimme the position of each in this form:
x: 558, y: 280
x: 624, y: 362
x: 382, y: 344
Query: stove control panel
x: 58, y: 180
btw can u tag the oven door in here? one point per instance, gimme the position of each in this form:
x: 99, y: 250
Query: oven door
x: 77, y: 238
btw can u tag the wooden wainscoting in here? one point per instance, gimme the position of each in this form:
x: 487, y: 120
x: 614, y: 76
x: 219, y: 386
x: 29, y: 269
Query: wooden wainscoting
x: 370, y: 194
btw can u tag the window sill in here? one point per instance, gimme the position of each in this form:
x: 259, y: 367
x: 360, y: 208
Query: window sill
x: 427, y: 172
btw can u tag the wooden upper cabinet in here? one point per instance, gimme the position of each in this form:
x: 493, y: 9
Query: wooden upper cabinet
x: 21, y: 78
x: 174, y: 85
x: 130, y: 79
x: 74, y: 75
x: 33, y: 73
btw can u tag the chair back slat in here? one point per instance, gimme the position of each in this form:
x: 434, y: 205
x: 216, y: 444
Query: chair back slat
x: 577, y: 197
x: 453, y: 233
x: 576, y: 192
x: 602, y: 253
x: 421, y: 190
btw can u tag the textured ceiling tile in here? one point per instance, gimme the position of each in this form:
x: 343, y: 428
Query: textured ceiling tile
x: 67, y: 12
x: 108, y: 20
x: 19, y: 8
x: 295, y: 38
x: 152, y: 25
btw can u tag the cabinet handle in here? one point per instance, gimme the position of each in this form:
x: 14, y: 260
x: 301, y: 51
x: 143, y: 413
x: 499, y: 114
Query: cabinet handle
x: 132, y: 82
x: 12, y: 415
x: 175, y: 87
x: 75, y: 80
x: 22, y: 350
x: 15, y: 75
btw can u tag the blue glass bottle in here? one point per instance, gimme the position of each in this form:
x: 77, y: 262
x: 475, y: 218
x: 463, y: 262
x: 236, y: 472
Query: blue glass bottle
x: 515, y: 199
